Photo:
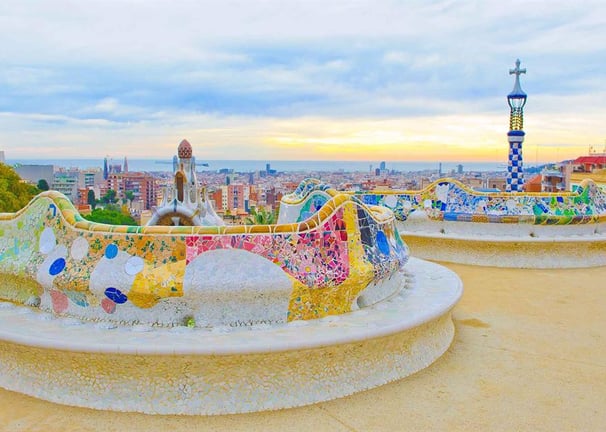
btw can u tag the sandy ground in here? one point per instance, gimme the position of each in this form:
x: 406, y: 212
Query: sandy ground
x: 529, y: 354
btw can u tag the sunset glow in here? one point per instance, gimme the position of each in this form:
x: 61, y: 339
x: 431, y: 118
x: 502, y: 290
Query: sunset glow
x: 381, y: 81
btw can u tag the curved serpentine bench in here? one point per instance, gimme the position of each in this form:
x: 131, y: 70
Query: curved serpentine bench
x: 214, y: 320
x: 448, y: 221
x: 53, y: 258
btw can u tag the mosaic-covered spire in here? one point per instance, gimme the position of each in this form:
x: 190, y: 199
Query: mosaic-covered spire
x: 516, y: 100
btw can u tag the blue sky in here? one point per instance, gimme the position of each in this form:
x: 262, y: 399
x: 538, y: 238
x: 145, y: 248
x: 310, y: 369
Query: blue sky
x: 396, y: 80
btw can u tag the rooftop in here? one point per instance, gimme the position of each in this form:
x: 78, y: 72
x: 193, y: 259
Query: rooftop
x: 593, y: 159
x: 529, y: 354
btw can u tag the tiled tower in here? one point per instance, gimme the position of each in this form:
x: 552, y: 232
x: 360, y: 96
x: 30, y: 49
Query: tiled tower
x: 184, y: 202
x: 516, y: 100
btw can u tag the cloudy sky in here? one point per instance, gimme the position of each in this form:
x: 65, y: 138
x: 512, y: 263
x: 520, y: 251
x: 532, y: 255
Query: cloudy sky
x: 289, y: 80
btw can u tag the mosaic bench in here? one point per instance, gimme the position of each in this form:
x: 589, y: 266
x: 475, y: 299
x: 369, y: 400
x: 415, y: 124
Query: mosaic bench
x: 215, y: 320
x: 343, y: 255
x: 448, y: 221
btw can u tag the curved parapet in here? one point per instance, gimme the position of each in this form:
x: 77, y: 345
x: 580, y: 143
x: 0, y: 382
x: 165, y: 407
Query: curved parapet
x: 450, y: 200
x: 345, y: 256
x: 305, y: 201
x: 305, y: 188
x: 311, y: 195
x: 448, y: 221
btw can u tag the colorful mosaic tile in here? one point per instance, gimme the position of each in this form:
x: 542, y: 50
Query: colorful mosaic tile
x: 335, y: 248
x: 452, y: 201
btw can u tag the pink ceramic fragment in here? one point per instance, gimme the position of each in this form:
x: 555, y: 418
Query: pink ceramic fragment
x: 60, y: 302
x: 108, y: 305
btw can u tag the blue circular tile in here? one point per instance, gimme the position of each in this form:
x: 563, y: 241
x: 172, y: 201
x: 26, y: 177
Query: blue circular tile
x: 57, y: 266
x: 115, y: 295
x: 111, y: 251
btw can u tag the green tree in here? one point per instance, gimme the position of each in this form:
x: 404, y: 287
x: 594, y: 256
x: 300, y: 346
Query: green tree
x: 90, y: 199
x: 129, y: 196
x: 109, y: 197
x: 260, y: 217
x: 14, y: 192
x: 43, y: 185
x: 110, y: 215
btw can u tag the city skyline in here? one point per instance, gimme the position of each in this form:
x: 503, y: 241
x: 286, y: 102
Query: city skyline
x: 411, y: 81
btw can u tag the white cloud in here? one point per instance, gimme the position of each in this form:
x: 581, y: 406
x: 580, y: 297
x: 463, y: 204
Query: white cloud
x: 397, y: 57
x: 106, y: 105
x: 136, y: 75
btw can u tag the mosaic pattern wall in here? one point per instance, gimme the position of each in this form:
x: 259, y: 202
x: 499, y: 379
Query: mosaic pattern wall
x: 450, y: 200
x: 52, y: 258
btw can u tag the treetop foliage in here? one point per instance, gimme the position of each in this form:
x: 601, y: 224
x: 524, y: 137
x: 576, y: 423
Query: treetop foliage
x: 111, y: 215
x: 14, y: 192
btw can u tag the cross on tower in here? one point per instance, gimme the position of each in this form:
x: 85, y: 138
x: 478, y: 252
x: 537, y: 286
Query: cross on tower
x: 517, y: 70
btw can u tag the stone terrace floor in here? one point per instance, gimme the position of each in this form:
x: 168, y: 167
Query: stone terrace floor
x: 529, y: 354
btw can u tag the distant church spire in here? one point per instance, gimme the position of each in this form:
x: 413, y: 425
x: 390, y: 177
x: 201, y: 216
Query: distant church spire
x: 105, y: 169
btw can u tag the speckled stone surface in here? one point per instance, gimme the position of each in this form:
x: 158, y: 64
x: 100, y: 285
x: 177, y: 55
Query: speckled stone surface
x: 226, y: 370
x: 509, y: 251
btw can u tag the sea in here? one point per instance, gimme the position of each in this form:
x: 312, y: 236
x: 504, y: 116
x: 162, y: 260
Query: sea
x: 159, y: 165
